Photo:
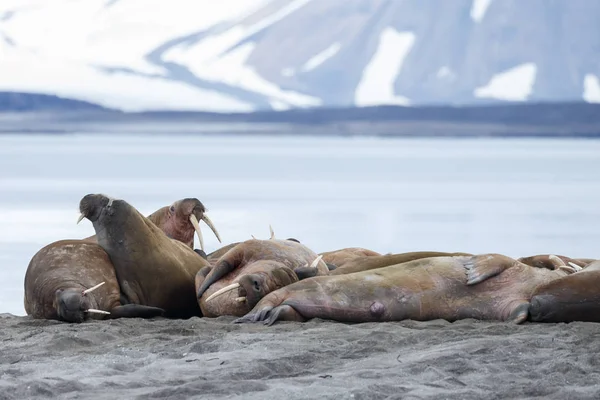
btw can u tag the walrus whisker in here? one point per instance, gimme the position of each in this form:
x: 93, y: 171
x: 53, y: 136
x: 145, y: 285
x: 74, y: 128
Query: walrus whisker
x: 272, y: 233
x: 86, y: 291
x: 82, y: 216
x: 223, y: 290
x: 212, y: 227
x: 194, y: 222
x: 240, y: 299
x: 577, y: 267
x: 94, y: 311
x: 316, y: 262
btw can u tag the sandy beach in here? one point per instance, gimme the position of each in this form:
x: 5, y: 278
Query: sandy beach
x: 213, y: 358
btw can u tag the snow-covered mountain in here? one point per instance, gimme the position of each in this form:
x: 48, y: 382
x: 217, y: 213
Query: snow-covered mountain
x: 243, y: 55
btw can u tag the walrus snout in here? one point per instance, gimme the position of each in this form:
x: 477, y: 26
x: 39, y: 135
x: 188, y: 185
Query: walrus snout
x: 538, y: 310
x: 252, y: 288
x: 71, y: 305
x: 91, y: 205
x: 256, y: 286
x: 192, y: 211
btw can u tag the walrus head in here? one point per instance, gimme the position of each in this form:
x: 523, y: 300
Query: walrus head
x: 91, y: 206
x: 182, y: 218
x: 73, y: 305
x: 267, y: 277
x: 248, y: 289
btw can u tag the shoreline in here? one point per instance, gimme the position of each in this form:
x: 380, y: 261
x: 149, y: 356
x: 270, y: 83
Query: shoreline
x: 213, y: 358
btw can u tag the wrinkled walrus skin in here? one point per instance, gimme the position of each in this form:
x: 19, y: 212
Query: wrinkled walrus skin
x: 573, y: 298
x: 60, y: 272
x: 152, y: 269
x: 367, y: 263
x: 339, y: 258
x: 259, y: 267
x: 485, y: 287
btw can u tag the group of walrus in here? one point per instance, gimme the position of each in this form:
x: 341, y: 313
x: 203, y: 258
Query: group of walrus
x: 145, y: 267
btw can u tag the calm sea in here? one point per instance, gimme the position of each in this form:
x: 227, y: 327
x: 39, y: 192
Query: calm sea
x: 512, y: 196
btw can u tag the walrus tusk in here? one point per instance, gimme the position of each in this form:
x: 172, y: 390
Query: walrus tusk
x: 94, y: 311
x: 272, y: 233
x: 86, y: 291
x: 208, y: 222
x: 82, y: 216
x: 194, y: 222
x: 223, y: 290
x: 556, y: 261
x: 567, y: 269
x: 240, y: 299
x: 316, y: 262
x: 577, y: 267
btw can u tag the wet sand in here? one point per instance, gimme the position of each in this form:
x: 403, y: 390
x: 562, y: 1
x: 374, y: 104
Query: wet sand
x: 213, y: 358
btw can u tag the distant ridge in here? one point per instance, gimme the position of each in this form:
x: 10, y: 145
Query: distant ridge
x: 19, y: 102
x: 25, y: 113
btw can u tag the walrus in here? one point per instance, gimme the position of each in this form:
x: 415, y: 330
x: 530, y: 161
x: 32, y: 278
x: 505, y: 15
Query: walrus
x: 338, y: 258
x: 551, y: 261
x: 215, y: 255
x: 71, y: 280
x: 573, y: 298
x: 152, y: 268
x: 250, y: 270
x: 485, y: 287
x: 366, y: 263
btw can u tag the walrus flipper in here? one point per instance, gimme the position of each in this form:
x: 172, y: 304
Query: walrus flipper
x: 269, y: 315
x: 519, y: 314
x: 136, y: 311
x: 283, y: 313
x: 305, y: 272
x: 254, y: 317
x: 480, y: 268
x: 221, y: 269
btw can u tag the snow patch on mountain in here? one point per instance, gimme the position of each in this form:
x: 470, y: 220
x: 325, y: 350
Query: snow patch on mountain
x: 119, y: 35
x: 66, y: 48
x: 36, y: 73
x: 320, y: 58
x: 222, y: 57
x: 591, y: 88
x: 231, y: 69
x: 377, y: 83
x: 515, y: 84
x: 478, y: 9
x: 445, y: 73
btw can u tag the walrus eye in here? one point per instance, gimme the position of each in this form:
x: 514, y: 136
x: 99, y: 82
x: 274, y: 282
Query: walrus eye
x: 172, y: 209
x: 256, y: 285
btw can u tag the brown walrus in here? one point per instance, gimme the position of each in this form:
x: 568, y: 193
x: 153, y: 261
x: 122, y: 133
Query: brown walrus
x: 551, y: 261
x: 215, y: 255
x: 255, y: 268
x: 152, y: 269
x: 573, y: 298
x: 60, y: 275
x: 487, y: 287
x: 338, y: 258
x: 367, y: 263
